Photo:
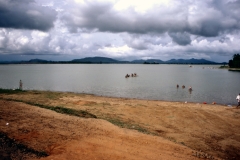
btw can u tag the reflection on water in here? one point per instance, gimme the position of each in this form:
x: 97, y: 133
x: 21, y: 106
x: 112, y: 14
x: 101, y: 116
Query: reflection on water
x: 156, y: 82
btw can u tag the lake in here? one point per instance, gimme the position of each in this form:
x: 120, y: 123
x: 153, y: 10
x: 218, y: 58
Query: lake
x: 155, y: 82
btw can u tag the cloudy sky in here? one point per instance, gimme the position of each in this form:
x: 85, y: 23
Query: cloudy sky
x: 119, y: 29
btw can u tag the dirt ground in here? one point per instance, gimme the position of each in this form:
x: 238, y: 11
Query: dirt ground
x: 124, y: 128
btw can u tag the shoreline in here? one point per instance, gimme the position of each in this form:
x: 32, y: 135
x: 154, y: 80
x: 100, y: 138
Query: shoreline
x: 197, y: 128
x: 146, y: 99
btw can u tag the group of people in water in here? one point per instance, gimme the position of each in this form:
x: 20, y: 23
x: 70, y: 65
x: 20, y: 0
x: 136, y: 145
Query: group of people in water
x: 183, y: 86
x: 131, y: 75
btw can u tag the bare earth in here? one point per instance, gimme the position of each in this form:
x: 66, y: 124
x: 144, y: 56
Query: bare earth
x: 149, y: 130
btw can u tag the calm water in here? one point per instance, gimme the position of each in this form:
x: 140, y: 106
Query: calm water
x: 156, y: 82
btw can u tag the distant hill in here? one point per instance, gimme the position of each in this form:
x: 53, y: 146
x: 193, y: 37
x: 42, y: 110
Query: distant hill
x: 95, y: 60
x: 189, y: 61
x: 99, y: 60
x: 151, y: 61
x: 37, y: 61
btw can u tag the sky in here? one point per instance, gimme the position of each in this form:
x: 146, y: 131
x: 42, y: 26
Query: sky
x: 119, y: 29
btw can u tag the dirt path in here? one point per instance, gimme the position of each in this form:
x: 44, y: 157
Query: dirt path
x: 175, y: 130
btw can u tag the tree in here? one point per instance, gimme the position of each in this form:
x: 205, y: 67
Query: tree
x: 235, y: 62
x: 230, y: 63
x: 236, y: 57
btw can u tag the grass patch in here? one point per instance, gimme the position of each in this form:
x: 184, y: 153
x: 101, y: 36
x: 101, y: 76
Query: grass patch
x: 117, y: 122
x: 172, y: 139
x: 10, y: 91
x: 68, y: 111
x: 73, y: 112
x: 183, y: 143
x: 123, y: 124
x: 105, y: 104
x: 52, y: 96
x: 62, y: 110
x: 141, y: 105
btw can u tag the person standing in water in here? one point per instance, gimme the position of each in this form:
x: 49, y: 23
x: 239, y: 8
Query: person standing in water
x: 238, y: 99
x: 20, y: 85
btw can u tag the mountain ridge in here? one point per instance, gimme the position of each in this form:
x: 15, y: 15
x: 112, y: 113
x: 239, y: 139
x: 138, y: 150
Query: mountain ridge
x: 106, y: 60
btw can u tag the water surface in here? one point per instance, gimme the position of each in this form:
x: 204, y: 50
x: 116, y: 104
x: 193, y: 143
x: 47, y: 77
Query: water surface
x: 156, y: 82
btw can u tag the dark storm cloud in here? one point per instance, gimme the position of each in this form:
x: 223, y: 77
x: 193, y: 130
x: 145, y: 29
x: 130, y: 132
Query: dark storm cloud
x: 223, y: 39
x: 209, y: 19
x: 181, y: 38
x: 218, y: 17
x: 25, y: 14
x: 103, y: 17
x: 137, y: 42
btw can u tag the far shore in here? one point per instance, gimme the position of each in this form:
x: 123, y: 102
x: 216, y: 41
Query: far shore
x: 118, y: 128
x: 231, y: 69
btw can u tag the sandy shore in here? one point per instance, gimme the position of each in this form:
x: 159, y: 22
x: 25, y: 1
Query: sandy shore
x: 123, y: 129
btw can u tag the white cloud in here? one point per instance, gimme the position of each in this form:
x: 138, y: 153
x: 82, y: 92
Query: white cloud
x: 162, y: 29
x: 139, y: 6
x: 116, y: 50
x: 23, y: 40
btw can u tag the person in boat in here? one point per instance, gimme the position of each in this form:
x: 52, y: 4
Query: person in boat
x: 183, y: 86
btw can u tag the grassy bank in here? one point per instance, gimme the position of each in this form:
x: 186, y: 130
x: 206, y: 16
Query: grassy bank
x: 42, y: 99
x: 204, y: 127
x: 58, y: 109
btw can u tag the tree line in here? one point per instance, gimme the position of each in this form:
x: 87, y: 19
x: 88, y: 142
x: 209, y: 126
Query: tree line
x: 235, y: 62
